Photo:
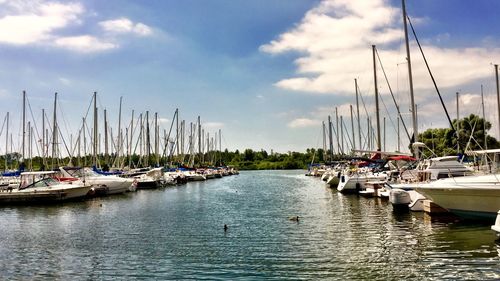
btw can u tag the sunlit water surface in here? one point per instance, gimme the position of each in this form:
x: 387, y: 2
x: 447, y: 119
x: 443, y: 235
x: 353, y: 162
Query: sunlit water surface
x: 177, y: 233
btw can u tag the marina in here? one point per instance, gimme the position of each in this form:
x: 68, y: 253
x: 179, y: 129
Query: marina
x: 307, y: 140
x: 178, y: 233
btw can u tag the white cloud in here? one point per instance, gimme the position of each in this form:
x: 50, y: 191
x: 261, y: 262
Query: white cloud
x: 84, y: 44
x: 163, y: 121
x: 304, y: 122
x: 64, y: 81
x: 38, y: 23
x: 124, y: 25
x: 334, y: 39
x: 213, y: 125
x: 41, y: 22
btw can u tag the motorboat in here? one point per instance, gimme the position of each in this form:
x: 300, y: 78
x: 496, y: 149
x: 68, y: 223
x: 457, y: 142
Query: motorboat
x: 469, y: 196
x: 101, y: 184
x: 42, y: 187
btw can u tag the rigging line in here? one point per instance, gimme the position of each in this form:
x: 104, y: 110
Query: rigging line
x: 64, y: 142
x: 347, y: 130
x: 388, y: 114
x: 392, y: 95
x: 430, y: 73
x: 34, y: 124
x: 164, y: 153
x: 335, y: 132
x: 366, y: 112
x: 68, y: 130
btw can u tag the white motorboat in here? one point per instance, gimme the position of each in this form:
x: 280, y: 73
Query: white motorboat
x: 40, y: 187
x: 355, y: 181
x: 101, y: 184
x: 403, y: 194
x: 470, y: 196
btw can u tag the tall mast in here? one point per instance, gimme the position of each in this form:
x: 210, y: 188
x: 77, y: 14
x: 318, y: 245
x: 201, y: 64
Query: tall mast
x: 357, y: 109
x: 337, y: 130
x: 130, y: 143
x: 324, y: 140
x: 7, y: 141
x: 341, y: 134
x: 95, y: 131
x: 177, y: 131
x: 377, y: 109
x: 54, y: 132
x: 106, y: 148
x: 330, y: 134
x: 399, y: 140
x: 24, y: 124
x: 484, y: 120
x: 157, y: 140
x: 120, y: 145
x: 458, y: 124
x: 220, y: 145
x: 352, y: 129
x: 199, y: 137
x: 410, y: 80
x: 498, y: 96
x: 148, y: 140
x: 43, y: 137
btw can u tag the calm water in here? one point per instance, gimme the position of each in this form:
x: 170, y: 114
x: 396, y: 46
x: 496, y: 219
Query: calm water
x: 177, y: 233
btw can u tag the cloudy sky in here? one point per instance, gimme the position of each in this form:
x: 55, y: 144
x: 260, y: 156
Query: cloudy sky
x: 266, y: 72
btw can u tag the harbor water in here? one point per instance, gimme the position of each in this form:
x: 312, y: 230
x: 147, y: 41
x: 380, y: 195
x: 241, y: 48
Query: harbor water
x: 177, y: 233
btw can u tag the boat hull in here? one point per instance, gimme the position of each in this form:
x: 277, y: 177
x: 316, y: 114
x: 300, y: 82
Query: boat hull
x: 468, y: 201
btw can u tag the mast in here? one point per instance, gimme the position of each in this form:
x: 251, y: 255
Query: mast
x: 30, y: 131
x: 24, y: 124
x: 130, y: 144
x: 352, y: 129
x: 54, y: 132
x: 384, y: 135
x: 410, y: 80
x: 199, y: 137
x: 330, y: 134
x: 342, y: 134
x: 399, y: 140
x: 337, y: 130
x: 157, y: 140
x: 498, y: 96
x: 106, y: 148
x: 377, y: 109
x: 324, y: 140
x: 120, y: 145
x: 177, y: 131
x: 43, y: 136
x: 94, y: 162
x: 357, y: 109
x: 7, y: 141
x: 484, y: 120
x: 148, y: 140
x: 220, y: 145
x: 458, y: 125
x: 84, y: 142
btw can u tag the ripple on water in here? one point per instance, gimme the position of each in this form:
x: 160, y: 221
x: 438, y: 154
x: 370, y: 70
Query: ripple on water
x: 177, y: 233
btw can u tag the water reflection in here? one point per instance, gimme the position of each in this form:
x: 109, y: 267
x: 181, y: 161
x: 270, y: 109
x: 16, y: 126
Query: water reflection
x: 177, y: 233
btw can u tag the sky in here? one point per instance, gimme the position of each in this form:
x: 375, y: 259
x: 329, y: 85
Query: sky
x: 265, y: 72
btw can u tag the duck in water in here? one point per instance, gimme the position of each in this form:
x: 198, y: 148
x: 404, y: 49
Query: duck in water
x: 225, y: 227
x: 294, y: 218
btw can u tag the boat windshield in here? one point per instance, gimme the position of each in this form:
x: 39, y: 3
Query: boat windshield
x: 44, y: 183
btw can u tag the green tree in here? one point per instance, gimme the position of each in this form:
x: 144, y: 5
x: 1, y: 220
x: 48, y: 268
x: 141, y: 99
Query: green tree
x: 471, y: 136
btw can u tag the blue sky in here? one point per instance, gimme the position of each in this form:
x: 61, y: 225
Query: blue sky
x: 265, y: 72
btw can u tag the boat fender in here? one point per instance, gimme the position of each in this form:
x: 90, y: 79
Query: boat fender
x: 358, y: 186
